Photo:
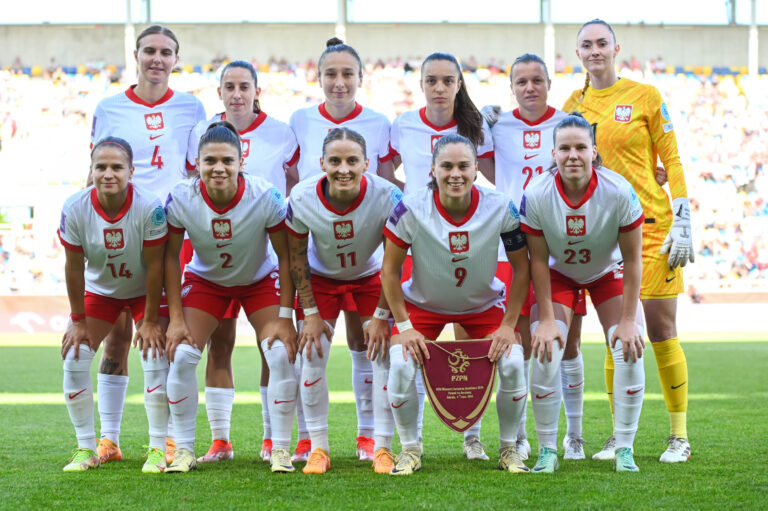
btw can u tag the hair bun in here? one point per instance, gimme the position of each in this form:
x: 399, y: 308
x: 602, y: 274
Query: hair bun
x: 333, y: 41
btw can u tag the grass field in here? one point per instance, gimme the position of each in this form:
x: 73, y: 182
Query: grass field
x: 728, y: 425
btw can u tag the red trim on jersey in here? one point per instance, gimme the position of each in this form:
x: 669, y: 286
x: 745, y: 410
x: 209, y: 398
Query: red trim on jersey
x: 394, y: 239
x: 392, y: 152
x: 69, y: 246
x: 174, y: 229
x: 294, y: 158
x: 260, y: 118
x: 155, y: 242
x: 633, y: 225
x: 123, y: 210
x: 277, y: 227
x: 232, y: 203
x: 471, y: 211
x: 590, y: 190
x: 547, y: 115
x: 489, y: 154
x: 351, y: 207
x: 423, y: 115
x: 190, y: 166
x: 530, y: 230
x: 133, y: 97
x: 294, y: 233
x: 354, y: 113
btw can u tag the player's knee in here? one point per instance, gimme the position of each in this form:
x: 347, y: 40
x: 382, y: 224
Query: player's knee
x: 511, y: 371
x: 83, y: 363
x: 401, y: 372
x: 186, y: 358
x: 276, y: 356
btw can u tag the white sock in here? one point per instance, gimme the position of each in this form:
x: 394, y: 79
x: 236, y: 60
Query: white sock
x: 266, y: 423
x: 628, y: 391
x: 383, y: 421
x: 171, y: 433
x: 510, y: 395
x: 301, y: 424
x: 421, y: 395
x: 545, y: 391
x: 314, y: 394
x: 78, y: 394
x: 521, y: 434
x: 362, y: 386
x: 572, y: 381
x: 283, y: 391
x: 111, y: 394
x: 182, y: 394
x: 218, y: 406
x: 156, y: 399
x: 474, y: 430
x: 404, y: 399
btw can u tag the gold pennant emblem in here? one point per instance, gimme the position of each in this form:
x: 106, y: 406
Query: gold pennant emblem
x: 458, y: 361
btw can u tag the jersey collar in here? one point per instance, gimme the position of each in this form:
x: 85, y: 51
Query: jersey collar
x: 354, y: 113
x: 472, y: 207
x: 133, y: 97
x: 235, y: 200
x: 423, y: 115
x: 260, y: 118
x: 590, y: 190
x: 547, y: 115
x: 123, y: 210
x: 351, y: 207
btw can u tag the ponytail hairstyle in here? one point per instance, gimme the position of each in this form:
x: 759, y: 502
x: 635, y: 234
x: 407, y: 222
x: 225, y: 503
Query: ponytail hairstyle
x: 336, y: 45
x: 575, y: 120
x: 118, y: 142
x: 221, y: 132
x: 527, y: 58
x: 469, y: 121
x: 596, y: 21
x: 157, y: 29
x: 345, y: 134
x: 249, y: 67
x: 453, y: 138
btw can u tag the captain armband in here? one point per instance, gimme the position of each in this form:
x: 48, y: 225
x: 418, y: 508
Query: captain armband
x: 513, y: 240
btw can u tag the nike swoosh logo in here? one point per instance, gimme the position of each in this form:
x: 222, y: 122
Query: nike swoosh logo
x: 668, y: 280
x: 457, y: 259
x: 153, y: 137
x: 575, y: 242
x: 149, y: 391
x: 633, y: 392
x: 73, y: 396
x: 575, y: 386
x: 519, y: 398
x: 398, y: 406
x: 342, y: 246
x: 111, y: 256
x: 307, y: 384
x: 529, y: 156
x: 675, y: 387
x: 281, y: 402
x: 367, y: 381
x: 221, y: 245
x: 177, y: 402
x: 545, y: 395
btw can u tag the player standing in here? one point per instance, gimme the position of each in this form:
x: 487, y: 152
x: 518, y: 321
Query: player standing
x: 452, y: 228
x: 229, y: 217
x: 269, y: 148
x: 582, y: 226
x: 156, y: 121
x: 114, y: 235
x: 632, y: 126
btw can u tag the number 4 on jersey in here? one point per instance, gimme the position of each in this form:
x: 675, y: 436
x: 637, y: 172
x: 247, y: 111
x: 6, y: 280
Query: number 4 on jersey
x: 157, y: 160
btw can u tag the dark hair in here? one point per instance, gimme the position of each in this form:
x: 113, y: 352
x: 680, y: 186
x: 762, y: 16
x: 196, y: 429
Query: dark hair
x: 575, y: 120
x: 595, y: 21
x: 336, y: 45
x: 249, y: 67
x: 221, y: 132
x: 344, y: 134
x: 453, y: 138
x: 527, y: 58
x: 157, y: 29
x: 118, y: 142
x: 469, y: 121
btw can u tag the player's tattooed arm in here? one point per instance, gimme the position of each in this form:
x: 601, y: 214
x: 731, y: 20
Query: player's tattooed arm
x: 300, y: 274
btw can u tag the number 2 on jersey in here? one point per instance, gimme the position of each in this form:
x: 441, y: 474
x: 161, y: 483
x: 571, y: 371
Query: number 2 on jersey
x: 227, y: 260
x: 530, y: 172
x: 157, y: 160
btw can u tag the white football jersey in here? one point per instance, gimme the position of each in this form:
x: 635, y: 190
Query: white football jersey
x: 413, y: 137
x: 523, y: 150
x: 113, y: 247
x: 158, y: 134
x: 269, y: 147
x: 345, y: 245
x: 311, y: 125
x: 454, y: 263
x: 231, y: 246
x: 582, y: 238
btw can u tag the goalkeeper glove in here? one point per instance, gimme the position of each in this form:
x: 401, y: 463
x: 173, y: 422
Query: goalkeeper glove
x: 679, y: 243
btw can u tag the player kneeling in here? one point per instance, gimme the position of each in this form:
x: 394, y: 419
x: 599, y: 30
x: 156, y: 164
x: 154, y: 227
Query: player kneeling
x: 114, y: 235
x: 583, y: 225
x: 452, y: 228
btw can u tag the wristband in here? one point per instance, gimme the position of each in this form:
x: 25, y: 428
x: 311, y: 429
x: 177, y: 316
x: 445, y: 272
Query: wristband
x: 285, y: 312
x: 311, y: 310
x: 76, y: 317
x: 380, y: 313
x: 402, y: 326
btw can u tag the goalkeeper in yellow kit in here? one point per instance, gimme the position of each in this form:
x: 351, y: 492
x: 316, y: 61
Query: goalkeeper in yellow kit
x: 633, y: 128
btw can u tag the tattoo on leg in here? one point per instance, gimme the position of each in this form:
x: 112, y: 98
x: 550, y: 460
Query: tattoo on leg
x: 109, y: 366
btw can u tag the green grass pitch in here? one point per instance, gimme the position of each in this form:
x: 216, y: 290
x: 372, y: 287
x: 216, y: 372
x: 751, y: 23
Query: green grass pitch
x: 727, y: 417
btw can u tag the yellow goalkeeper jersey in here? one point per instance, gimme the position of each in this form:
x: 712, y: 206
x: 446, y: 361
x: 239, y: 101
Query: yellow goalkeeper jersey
x: 633, y: 127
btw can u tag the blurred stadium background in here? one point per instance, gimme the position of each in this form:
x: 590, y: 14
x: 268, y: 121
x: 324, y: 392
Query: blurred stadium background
x: 707, y: 57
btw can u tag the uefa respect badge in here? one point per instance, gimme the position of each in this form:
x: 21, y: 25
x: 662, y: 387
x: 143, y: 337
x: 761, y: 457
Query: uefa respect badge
x: 459, y: 380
